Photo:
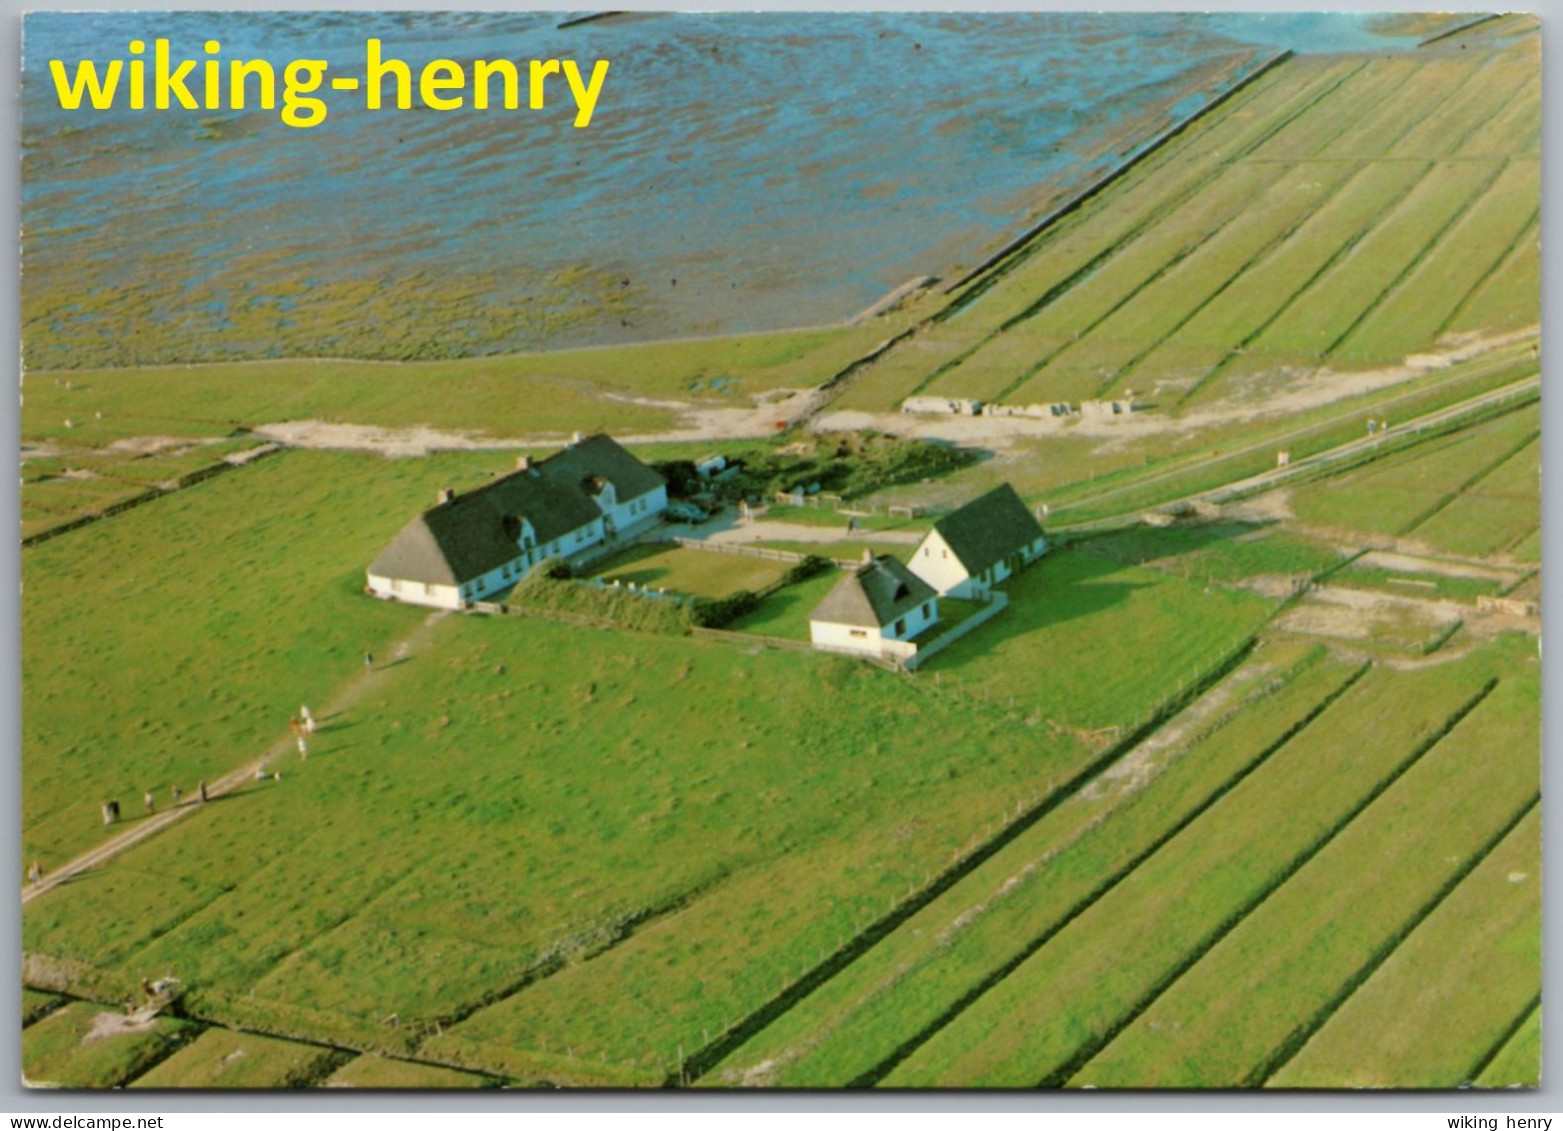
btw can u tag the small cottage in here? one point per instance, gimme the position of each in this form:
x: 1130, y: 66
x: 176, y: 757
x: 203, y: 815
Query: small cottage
x: 576, y: 504
x: 972, y: 549
x: 874, y: 611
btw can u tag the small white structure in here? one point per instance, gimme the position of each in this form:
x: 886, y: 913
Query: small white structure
x: 942, y: 406
x: 875, y: 611
x: 574, y: 504
x: 970, y: 550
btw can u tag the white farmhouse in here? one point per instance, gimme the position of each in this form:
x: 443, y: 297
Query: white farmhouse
x: 970, y: 550
x: 874, y: 611
x: 574, y: 504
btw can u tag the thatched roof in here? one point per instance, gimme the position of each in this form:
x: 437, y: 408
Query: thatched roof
x: 475, y: 533
x: 876, y: 593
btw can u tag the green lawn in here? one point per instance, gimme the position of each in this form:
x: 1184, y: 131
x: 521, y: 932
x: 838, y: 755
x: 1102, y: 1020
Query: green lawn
x: 691, y: 573
x: 786, y: 612
x: 1087, y: 642
x: 384, y: 1073
x: 854, y: 1028
x: 1243, y: 1005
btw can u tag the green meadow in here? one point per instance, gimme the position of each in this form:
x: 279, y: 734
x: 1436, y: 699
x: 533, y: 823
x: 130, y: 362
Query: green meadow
x: 1150, y: 826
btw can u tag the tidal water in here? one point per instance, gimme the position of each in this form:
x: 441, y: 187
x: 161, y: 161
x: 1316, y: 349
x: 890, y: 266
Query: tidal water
x: 743, y: 171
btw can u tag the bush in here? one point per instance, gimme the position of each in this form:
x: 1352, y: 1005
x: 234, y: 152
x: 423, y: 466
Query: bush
x: 548, y: 594
x: 811, y: 566
x: 718, y: 614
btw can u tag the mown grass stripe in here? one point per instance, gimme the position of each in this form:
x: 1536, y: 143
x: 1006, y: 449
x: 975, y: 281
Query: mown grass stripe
x: 1416, y: 260
x: 1460, y: 490
x: 1084, y: 1052
x: 1152, y: 217
x: 1304, y: 1032
x: 708, y: 1056
x: 1258, y: 256
x: 1345, y: 249
x: 1502, y: 1043
x: 1527, y: 234
x: 922, y: 1036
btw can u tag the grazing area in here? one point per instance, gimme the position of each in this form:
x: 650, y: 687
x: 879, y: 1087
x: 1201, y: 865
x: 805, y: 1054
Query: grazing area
x: 1340, y: 211
x: 85, y: 1045
x: 1238, y: 786
x: 222, y: 1059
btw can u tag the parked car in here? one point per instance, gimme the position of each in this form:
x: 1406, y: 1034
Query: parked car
x: 685, y: 512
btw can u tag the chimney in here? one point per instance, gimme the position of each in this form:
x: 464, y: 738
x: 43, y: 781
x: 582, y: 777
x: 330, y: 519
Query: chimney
x: 523, y: 463
x: 577, y: 438
x: 447, y: 495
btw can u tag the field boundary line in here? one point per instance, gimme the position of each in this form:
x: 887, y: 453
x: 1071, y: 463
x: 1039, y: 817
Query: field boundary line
x: 1514, y: 249
x: 706, y: 1057
x: 151, y: 494
x: 1347, y: 246
x: 1002, y: 971
x: 1154, y: 216
x: 1458, y: 28
x: 1508, y: 1035
x: 1459, y: 491
x: 1089, y: 1048
x: 1405, y: 273
x: 1303, y: 1033
x: 1258, y: 256
x: 1328, y: 461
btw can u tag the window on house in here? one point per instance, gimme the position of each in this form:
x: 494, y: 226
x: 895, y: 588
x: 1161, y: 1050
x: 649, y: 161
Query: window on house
x: 928, y: 610
x: 900, y: 627
x: 859, y: 632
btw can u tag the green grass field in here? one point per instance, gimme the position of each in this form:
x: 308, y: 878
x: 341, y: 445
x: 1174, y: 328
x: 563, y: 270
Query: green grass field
x: 221, y: 1059
x: 1476, y: 957
x: 1402, y: 494
x: 1079, y: 605
x: 60, y: 1050
x: 1146, y: 827
x: 690, y: 573
x: 1065, y: 1002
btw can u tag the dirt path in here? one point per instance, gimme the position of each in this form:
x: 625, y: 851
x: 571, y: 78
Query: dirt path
x: 349, y: 694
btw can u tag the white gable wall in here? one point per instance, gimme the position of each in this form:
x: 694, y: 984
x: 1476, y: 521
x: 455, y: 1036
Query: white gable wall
x: 936, y: 563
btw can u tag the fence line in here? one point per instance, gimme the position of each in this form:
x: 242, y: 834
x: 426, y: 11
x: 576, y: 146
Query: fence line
x: 752, y: 551
x: 998, y: 601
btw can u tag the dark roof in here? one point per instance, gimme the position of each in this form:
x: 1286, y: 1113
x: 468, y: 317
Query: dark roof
x: 988, y: 528
x: 468, y: 536
x: 873, y: 595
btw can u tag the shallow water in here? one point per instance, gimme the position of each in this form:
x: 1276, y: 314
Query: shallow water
x: 743, y: 171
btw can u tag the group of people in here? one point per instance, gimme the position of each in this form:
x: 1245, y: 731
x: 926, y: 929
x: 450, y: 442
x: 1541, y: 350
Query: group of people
x: 302, y: 725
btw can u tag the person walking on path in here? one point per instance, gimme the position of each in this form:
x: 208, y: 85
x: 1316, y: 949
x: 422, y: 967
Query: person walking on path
x: 34, y: 874
x: 178, y: 793
x: 303, y: 748
x: 149, y: 803
x: 368, y: 660
x: 309, y: 720
x: 202, y: 788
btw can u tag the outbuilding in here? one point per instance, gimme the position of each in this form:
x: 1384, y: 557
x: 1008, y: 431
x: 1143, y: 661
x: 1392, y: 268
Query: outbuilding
x: 875, y: 610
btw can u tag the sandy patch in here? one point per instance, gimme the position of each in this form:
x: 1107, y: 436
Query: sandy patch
x: 1410, y: 563
x: 106, y: 1025
x: 149, y: 445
